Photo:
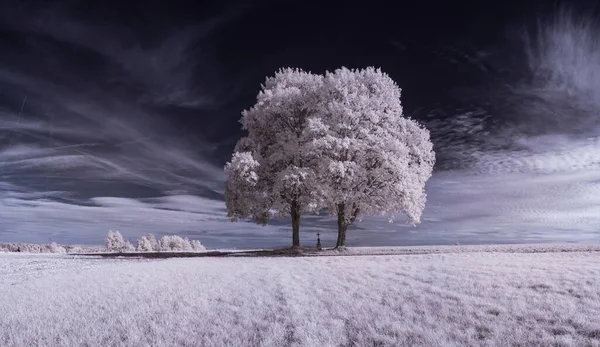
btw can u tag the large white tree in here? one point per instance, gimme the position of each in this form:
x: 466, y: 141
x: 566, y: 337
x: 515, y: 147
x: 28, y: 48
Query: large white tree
x: 271, y: 173
x: 372, y: 159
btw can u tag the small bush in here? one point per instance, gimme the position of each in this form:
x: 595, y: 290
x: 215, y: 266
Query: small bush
x: 197, y: 246
x: 115, y: 242
x: 144, y: 245
x: 174, y: 243
x: 32, y: 247
x: 54, y: 248
x: 168, y: 243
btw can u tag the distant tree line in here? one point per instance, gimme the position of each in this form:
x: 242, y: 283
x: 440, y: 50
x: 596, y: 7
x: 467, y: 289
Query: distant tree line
x: 148, y: 243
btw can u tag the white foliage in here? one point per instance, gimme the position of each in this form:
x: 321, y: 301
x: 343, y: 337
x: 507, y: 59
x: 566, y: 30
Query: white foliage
x: 85, y: 249
x: 144, y: 245
x: 242, y: 195
x: 55, y: 248
x: 174, y: 243
x: 32, y: 247
x: 153, y: 243
x: 197, y: 245
x: 128, y: 247
x: 271, y: 171
x: 372, y: 160
x: 115, y: 242
x: 167, y: 243
x: 334, y: 141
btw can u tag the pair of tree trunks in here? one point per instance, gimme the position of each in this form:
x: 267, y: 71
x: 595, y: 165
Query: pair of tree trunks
x: 342, y: 225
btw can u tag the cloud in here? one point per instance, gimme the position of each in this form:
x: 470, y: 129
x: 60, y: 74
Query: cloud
x: 163, y: 69
x: 525, y: 163
x: 74, y: 129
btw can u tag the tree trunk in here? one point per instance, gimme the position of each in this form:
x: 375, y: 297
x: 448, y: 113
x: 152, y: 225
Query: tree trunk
x: 295, y: 212
x: 342, y: 226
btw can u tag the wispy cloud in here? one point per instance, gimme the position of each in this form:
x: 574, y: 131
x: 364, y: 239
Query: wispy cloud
x: 92, y: 126
x: 74, y: 126
x: 168, y: 69
x: 527, y: 161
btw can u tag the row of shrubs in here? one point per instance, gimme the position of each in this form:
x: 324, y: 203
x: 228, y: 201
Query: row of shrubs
x: 114, y: 243
x: 32, y: 247
x: 48, y: 248
x: 148, y: 243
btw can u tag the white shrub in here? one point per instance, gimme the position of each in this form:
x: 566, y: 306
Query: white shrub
x: 174, y: 243
x: 186, y: 245
x: 85, y: 249
x: 55, y: 248
x: 129, y: 247
x: 32, y: 247
x: 167, y: 243
x: 144, y: 245
x: 197, y: 246
x: 153, y: 243
x: 115, y: 241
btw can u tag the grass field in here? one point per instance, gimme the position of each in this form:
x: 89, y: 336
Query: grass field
x: 464, y: 298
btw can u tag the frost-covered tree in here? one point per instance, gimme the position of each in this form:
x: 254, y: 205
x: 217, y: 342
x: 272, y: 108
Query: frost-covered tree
x: 174, y: 243
x: 373, y: 160
x: 197, y: 245
x: 115, y: 241
x: 271, y: 171
x: 128, y: 247
x: 144, y: 244
x: 56, y: 248
x: 153, y: 242
x: 148, y: 243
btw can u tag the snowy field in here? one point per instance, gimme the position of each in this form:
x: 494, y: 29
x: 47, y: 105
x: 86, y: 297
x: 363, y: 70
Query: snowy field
x: 465, y: 298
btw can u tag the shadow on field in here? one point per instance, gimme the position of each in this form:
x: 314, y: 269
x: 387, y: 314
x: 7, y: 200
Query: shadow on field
x: 285, y: 252
x: 328, y: 252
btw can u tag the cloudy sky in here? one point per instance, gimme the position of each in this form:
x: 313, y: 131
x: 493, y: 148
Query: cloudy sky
x: 121, y: 115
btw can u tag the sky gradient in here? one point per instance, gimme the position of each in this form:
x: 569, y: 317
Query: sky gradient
x: 122, y: 116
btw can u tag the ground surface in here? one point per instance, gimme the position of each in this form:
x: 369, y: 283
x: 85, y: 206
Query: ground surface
x: 463, y: 298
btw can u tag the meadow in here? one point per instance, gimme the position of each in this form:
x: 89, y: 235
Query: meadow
x: 472, y: 296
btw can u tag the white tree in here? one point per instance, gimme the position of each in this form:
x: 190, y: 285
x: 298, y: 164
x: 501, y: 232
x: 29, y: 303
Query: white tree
x: 373, y: 161
x: 187, y: 245
x: 144, y: 245
x: 271, y: 171
x: 197, y: 245
x: 128, y: 247
x: 153, y: 242
x: 56, y: 248
x: 174, y: 243
x: 115, y: 241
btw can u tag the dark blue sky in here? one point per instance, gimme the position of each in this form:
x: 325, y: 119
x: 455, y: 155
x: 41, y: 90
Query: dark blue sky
x: 121, y: 115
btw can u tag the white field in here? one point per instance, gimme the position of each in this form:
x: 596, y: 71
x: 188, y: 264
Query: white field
x: 468, y: 298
